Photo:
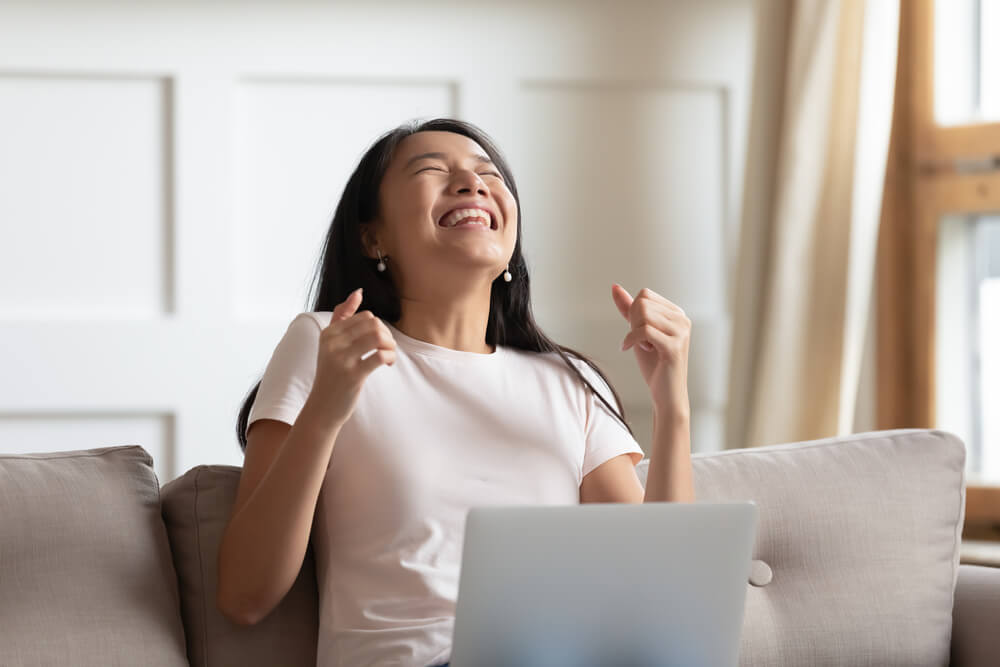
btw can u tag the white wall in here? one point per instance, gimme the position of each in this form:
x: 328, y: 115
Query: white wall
x: 168, y: 170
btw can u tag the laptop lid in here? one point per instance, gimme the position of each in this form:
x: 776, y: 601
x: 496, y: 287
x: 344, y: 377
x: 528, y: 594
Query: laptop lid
x: 602, y: 584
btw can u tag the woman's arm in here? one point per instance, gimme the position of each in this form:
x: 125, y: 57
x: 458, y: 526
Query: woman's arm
x: 669, y: 476
x: 614, y: 481
x: 265, y: 541
x: 660, y: 333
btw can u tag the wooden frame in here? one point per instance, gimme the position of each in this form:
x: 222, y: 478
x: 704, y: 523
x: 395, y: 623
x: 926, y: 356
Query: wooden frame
x: 982, y: 513
x: 922, y: 186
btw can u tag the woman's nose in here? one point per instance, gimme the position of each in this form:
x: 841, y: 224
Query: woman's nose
x: 468, y: 181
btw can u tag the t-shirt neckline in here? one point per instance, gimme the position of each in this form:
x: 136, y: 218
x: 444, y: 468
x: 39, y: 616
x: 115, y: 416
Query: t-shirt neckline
x: 422, y: 347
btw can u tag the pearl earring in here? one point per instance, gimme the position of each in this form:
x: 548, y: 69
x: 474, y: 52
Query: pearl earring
x: 381, y: 262
x: 506, y: 274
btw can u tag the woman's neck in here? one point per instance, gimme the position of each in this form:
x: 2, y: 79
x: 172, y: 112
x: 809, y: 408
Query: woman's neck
x: 457, y: 322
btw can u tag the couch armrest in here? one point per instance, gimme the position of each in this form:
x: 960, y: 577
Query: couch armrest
x: 975, y: 641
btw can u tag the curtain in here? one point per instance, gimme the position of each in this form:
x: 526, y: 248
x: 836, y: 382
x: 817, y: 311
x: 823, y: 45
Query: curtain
x: 824, y: 78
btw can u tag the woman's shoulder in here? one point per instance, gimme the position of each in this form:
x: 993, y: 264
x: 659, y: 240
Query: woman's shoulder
x: 550, y: 362
x: 318, y: 319
x: 556, y: 365
x: 538, y: 359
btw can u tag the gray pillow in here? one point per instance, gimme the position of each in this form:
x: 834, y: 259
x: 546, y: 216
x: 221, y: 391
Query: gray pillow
x: 859, y: 540
x: 86, y: 576
x: 196, y: 509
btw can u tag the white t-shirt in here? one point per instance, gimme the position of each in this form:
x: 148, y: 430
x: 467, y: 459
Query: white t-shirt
x: 438, y: 432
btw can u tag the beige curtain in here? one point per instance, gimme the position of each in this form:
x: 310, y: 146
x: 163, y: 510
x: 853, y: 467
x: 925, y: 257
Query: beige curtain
x: 821, y: 114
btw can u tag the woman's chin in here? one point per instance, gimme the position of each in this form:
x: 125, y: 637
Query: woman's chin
x: 475, y: 254
x: 469, y: 269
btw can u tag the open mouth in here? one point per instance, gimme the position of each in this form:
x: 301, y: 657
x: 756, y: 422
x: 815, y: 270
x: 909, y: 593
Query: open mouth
x: 463, y: 217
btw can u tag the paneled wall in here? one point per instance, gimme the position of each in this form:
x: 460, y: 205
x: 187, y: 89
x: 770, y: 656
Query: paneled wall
x: 168, y: 172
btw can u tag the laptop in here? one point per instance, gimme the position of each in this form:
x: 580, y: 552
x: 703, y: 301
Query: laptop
x: 603, y: 585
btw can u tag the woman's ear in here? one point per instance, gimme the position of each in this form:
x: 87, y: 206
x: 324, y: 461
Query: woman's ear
x: 368, y: 240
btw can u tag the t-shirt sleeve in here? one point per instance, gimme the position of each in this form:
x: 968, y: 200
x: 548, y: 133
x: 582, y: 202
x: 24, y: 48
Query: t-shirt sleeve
x: 606, y: 436
x: 289, y: 375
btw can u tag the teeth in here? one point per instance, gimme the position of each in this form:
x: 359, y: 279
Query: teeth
x: 467, y: 215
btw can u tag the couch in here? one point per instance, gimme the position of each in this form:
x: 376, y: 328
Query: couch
x: 856, y: 560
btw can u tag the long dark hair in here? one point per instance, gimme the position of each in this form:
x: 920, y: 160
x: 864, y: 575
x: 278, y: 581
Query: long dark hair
x: 344, y: 266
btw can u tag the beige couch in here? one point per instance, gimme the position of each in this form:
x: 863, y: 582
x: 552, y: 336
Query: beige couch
x: 856, y: 560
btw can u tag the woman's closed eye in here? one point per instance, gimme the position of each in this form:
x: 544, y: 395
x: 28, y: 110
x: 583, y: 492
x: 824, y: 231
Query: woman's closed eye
x: 442, y: 169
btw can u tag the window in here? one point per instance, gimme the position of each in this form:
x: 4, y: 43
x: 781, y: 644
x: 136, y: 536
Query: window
x: 938, y: 317
x: 966, y: 61
x: 967, y: 322
x: 966, y: 91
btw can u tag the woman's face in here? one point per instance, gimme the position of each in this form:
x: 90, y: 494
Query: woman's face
x: 445, y: 213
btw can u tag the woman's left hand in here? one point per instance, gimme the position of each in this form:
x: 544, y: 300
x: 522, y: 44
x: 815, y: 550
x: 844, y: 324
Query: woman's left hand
x: 660, y: 333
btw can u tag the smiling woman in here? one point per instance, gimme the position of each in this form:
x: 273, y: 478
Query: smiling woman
x: 419, y: 386
x: 406, y: 176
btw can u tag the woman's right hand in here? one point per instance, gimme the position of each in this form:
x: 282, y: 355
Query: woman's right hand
x: 340, y: 371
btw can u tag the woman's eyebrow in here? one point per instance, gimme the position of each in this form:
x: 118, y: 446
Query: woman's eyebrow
x: 441, y: 156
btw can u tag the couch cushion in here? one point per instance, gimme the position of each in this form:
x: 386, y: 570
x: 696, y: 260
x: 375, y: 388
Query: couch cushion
x: 86, y: 576
x: 861, y: 534
x: 196, y: 509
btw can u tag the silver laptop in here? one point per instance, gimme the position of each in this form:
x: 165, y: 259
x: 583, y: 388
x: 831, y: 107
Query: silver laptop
x: 603, y: 585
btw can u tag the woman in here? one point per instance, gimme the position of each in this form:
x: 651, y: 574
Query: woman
x: 418, y: 386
